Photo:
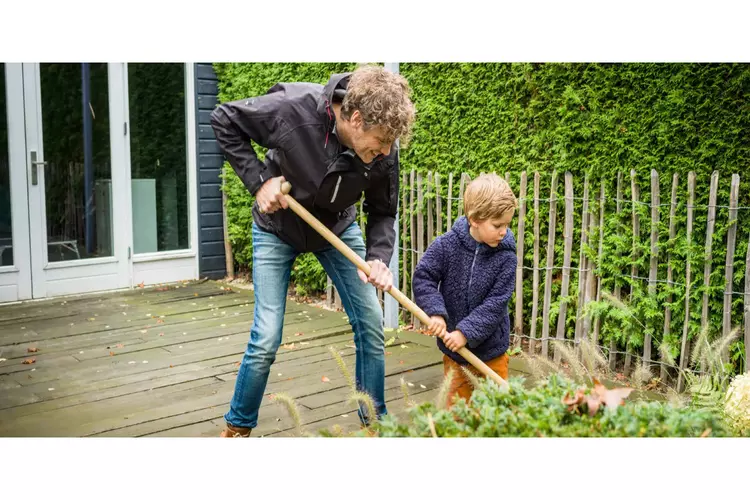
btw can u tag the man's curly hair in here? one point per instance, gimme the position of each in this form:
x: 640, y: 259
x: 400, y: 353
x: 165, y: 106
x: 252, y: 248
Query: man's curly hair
x: 383, y: 99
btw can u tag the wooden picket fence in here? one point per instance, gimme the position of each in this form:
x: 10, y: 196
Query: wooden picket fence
x: 426, y: 213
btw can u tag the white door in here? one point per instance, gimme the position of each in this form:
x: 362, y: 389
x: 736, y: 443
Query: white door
x: 78, y: 222
x: 15, y: 260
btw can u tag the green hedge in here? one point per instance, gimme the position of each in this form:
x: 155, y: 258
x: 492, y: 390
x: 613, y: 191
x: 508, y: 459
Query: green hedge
x: 589, y: 119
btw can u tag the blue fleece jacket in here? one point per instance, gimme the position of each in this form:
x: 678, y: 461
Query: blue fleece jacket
x: 469, y: 284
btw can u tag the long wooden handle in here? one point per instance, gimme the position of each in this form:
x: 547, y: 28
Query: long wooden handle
x: 365, y: 268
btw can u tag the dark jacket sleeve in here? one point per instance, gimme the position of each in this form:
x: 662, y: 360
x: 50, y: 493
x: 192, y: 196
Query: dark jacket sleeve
x: 381, y: 205
x: 484, y: 319
x: 258, y: 119
x: 428, y: 275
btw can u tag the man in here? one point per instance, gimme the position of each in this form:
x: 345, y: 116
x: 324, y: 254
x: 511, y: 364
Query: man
x: 332, y: 143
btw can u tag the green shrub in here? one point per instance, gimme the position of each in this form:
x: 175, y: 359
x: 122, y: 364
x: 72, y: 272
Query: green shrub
x: 540, y: 412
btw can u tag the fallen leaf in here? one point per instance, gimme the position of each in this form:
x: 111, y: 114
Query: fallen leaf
x: 120, y: 346
x: 141, y: 284
x: 404, y: 346
x: 325, y: 379
x: 29, y: 361
x: 161, y: 334
x: 611, y: 397
x: 574, y: 400
x: 289, y: 346
x: 388, y: 353
x: 171, y: 366
x: 298, y: 334
x: 111, y: 353
x: 401, y: 362
x: 390, y: 341
x: 144, y: 331
x: 32, y: 349
x: 159, y: 321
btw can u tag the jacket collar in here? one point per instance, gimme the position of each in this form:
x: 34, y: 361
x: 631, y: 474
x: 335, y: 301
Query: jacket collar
x: 328, y: 90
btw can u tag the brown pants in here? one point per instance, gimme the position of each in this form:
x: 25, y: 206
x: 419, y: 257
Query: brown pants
x: 461, y: 385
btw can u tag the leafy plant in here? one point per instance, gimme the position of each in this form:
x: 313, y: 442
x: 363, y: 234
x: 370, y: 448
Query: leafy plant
x: 555, y: 407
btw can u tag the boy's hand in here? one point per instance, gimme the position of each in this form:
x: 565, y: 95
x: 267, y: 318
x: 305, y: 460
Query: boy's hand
x: 454, y: 340
x: 437, y: 326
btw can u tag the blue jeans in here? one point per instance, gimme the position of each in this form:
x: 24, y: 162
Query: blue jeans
x: 272, y: 267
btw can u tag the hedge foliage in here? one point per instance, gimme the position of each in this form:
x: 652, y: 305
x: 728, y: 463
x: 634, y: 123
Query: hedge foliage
x: 594, y: 120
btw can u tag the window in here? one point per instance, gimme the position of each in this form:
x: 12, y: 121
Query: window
x: 158, y: 156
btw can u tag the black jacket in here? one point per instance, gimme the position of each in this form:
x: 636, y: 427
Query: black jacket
x: 296, y: 123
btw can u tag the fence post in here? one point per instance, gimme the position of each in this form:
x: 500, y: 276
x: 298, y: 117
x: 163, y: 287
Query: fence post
x: 550, y: 263
x: 518, y: 319
x: 535, y: 283
x: 686, y: 325
x: 654, y: 262
x: 710, y: 223
x: 568, y: 238
x: 668, y: 308
x: 634, y: 194
x: 582, y: 261
x: 618, y: 288
x: 731, y: 240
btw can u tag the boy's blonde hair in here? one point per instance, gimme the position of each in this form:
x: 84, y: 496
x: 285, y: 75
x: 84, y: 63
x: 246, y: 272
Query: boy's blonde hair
x: 488, y: 197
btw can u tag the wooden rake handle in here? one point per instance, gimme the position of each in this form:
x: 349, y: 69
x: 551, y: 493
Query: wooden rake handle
x: 365, y: 268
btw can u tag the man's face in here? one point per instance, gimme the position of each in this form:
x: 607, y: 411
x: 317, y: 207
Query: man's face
x: 370, y: 143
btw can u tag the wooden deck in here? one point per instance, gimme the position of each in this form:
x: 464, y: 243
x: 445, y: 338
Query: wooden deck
x: 162, y: 361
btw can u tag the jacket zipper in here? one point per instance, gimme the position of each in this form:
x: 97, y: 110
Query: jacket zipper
x: 471, y: 274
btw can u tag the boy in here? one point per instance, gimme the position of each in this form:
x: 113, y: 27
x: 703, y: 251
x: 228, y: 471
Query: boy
x: 465, y: 281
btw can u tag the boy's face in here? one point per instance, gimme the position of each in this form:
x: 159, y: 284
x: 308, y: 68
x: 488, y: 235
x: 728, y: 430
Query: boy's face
x: 492, y: 231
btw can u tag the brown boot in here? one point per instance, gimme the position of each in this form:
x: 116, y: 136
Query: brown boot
x: 233, y: 432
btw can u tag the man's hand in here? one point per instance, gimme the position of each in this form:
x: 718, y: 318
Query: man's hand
x: 269, y: 197
x: 454, y: 340
x: 437, y: 326
x: 380, y: 275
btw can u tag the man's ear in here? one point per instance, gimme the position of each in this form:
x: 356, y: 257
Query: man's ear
x: 356, y: 119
